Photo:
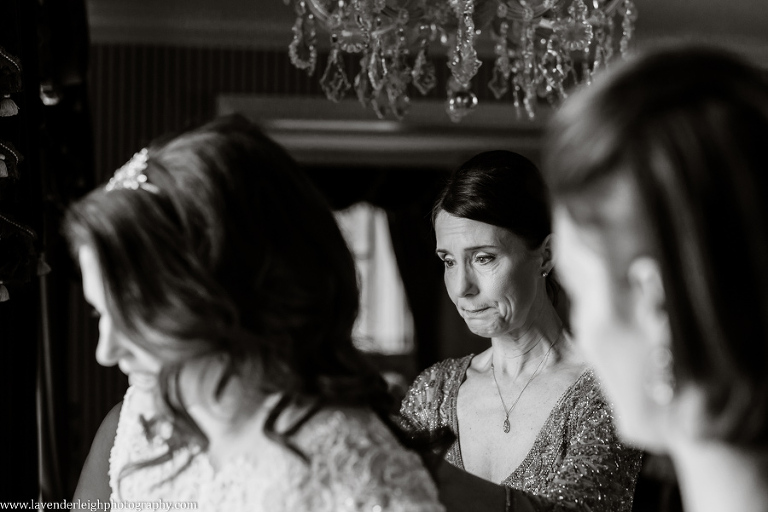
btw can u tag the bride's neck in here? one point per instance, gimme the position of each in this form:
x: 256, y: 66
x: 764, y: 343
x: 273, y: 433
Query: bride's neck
x: 715, y: 477
x: 219, y: 411
x: 234, y: 425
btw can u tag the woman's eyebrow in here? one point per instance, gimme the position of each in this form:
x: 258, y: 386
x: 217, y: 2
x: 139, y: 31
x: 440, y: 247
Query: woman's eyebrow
x: 468, y: 249
x: 478, y: 247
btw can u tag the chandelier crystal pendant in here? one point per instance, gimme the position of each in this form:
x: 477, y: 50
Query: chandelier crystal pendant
x: 540, y: 47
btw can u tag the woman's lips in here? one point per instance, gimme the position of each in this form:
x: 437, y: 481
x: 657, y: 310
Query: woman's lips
x: 475, y: 311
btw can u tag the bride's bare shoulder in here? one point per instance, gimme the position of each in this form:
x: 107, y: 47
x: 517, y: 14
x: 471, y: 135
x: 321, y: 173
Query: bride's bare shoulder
x: 94, y: 478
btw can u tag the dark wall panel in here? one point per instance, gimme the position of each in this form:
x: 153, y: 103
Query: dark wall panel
x: 141, y: 92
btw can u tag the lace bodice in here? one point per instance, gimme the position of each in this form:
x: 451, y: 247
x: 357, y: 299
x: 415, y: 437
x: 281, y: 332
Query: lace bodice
x: 576, y: 462
x: 356, y: 464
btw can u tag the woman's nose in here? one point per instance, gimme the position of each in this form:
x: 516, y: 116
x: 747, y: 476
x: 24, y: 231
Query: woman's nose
x: 109, y: 349
x: 464, y: 285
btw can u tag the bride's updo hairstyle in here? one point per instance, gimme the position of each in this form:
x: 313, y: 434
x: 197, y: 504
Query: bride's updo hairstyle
x: 227, y: 253
x: 686, y: 131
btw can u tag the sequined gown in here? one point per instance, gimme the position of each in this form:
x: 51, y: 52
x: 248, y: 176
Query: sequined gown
x: 356, y: 464
x: 576, y: 462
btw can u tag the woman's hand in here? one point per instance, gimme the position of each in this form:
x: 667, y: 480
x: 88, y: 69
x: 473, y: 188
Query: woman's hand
x: 460, y: 491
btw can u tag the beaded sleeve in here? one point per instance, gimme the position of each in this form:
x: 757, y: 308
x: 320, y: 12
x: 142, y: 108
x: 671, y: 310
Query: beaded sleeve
x: 590, y: 470
x: 430, y: 403
x: 576, y: 462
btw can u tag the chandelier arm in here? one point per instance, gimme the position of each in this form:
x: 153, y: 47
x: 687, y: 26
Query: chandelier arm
x: 546, y: 23
x: 545, y: 50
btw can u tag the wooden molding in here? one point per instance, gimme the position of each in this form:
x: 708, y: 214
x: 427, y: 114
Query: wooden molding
x: 318, y: 132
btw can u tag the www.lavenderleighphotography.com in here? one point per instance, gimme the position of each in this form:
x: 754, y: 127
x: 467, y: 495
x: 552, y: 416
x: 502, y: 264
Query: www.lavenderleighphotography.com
x: 93, y: 505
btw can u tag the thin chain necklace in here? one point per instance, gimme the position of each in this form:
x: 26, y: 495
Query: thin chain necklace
x: 508, y: 411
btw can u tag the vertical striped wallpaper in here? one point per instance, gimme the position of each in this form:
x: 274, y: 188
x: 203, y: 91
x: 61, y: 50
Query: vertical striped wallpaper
x: 141, y: 92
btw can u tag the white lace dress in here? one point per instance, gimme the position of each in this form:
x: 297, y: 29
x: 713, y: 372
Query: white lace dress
x: 356, y: 464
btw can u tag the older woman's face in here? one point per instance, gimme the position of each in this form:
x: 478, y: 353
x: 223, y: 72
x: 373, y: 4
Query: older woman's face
x: 490, y: 274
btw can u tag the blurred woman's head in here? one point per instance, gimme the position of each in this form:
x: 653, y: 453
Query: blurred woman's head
x: 492, y: 224
x: 224, y: 256
x: 660, y: 192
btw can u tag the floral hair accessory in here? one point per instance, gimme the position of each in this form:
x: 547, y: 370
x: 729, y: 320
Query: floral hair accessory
x: 131, y: 175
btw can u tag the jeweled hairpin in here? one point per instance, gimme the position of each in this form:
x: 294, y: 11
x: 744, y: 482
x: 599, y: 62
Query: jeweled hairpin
x: 131, y: 175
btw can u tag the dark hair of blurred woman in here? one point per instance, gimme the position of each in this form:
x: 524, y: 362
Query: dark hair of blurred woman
x: 686, y: 131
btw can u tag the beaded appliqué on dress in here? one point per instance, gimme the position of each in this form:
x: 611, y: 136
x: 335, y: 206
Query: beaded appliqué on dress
x: 576, y: 462
x: 356, y: 465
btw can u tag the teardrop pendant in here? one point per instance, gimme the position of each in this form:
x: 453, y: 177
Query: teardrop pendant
x: 506, y: 426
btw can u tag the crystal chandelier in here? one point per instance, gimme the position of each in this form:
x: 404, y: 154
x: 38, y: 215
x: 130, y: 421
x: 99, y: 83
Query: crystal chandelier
x: 540, y: 47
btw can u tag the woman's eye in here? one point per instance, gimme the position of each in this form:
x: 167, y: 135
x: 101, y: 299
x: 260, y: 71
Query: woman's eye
x: 448, y: 263
x: 483, y: 258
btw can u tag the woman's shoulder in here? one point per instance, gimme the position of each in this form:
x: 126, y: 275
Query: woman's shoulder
x: 428, y: 404
x: 586, y: 407
x: 349, y: 430
x: 334, y: 425
x: 450, y: 369
x: 582, y: 388
x: 359, y: 456
x: 586, y: 390
x: 94, y: 478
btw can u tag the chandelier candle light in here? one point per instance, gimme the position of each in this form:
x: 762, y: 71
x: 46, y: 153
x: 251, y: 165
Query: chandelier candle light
x: 540, y: 46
